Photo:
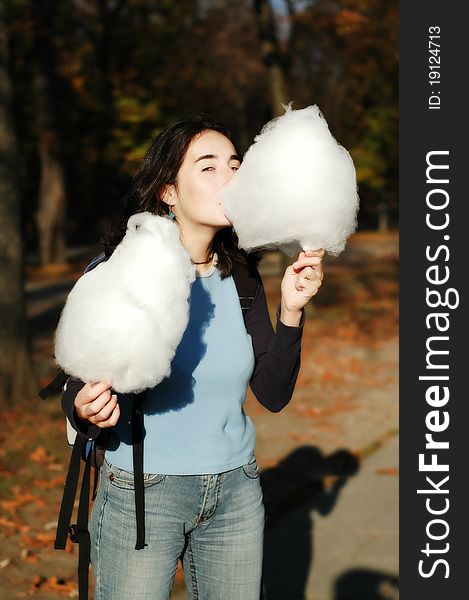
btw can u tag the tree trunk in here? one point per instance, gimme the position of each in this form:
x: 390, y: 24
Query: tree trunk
x: 17, y: 378
x: 382, y: 216
x: 271, y: 56
x: 107, y: 14
x: 52, y: 197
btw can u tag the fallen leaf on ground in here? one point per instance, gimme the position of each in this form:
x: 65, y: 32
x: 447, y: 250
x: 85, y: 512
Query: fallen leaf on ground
x: 40, y: 540
x: 48, y: 484
x: 54, y: 584
x: 21, y: 499
x: 388, y: 471
x: 40, y: 455
x: 7, y: 523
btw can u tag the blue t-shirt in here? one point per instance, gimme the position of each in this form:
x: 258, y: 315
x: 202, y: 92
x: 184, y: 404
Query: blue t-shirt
x: 194, y: 420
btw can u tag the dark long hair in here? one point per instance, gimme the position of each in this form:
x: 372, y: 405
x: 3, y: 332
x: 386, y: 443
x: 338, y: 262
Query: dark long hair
x: 159, y: 167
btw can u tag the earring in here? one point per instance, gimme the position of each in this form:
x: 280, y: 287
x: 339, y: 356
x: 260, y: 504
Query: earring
x: 171, y: 214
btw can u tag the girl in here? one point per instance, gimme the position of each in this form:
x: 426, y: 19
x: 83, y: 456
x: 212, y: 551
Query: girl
x: 203, y: 498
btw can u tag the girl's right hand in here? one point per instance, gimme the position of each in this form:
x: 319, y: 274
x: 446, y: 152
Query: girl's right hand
x: 94, y: 403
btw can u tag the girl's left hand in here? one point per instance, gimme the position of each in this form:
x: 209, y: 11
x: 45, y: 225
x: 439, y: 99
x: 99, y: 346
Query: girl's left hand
x: 302, y: 280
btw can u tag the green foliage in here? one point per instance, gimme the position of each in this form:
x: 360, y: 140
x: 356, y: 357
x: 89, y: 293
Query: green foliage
x: 378, y: 142
x: 135, y: 125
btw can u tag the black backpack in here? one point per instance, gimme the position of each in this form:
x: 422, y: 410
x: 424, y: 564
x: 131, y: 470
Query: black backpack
x: 91, y: 452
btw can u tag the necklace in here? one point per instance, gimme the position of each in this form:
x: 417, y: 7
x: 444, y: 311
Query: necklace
x: 203, y: 262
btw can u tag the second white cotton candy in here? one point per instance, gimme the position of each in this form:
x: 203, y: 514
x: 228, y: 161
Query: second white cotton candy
x: 124, y: 319
x: 295, y: 189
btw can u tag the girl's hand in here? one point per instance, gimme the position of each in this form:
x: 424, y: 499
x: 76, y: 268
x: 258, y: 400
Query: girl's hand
x: 94, y: 403
x: 300, y: 283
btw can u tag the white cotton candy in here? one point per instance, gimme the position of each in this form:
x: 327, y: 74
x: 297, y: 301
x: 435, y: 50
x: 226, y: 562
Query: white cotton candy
x: 296, y: 188
x: 124, y: 319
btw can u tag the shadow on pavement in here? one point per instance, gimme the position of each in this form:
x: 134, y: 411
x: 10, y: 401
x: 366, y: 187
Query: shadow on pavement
x: 308, y: 481
x: 366, y: 584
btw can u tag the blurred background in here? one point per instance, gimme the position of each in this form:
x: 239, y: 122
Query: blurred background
x: 84, y: 86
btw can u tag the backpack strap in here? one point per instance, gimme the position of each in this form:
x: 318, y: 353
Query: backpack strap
x: 79, y: 533
x: 55, y: 386
x: 68, y: 498
x: 245, y: 278
x: 137, y: 455
x: 96, y: 261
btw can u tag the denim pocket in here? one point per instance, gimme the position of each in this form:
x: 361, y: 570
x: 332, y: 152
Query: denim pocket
x: 251, y: 469
x: 125, y: 479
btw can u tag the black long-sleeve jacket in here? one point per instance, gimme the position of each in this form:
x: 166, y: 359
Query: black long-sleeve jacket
x: 277, y: 357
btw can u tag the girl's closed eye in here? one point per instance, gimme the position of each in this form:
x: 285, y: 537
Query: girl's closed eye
x: 208, y: 168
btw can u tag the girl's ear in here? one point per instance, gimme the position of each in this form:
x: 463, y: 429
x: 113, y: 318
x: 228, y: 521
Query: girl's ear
x: 167, y: 193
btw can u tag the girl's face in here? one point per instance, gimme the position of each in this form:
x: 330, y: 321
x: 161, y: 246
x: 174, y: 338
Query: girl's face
x: 210, y: 162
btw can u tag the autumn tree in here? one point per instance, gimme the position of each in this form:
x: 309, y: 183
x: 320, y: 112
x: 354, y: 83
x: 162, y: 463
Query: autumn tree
x: 17, y: 379
x: 52, y: 188
x: 272, y: 56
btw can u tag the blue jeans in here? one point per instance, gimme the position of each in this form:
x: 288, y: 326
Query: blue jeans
x: 213, y: 523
